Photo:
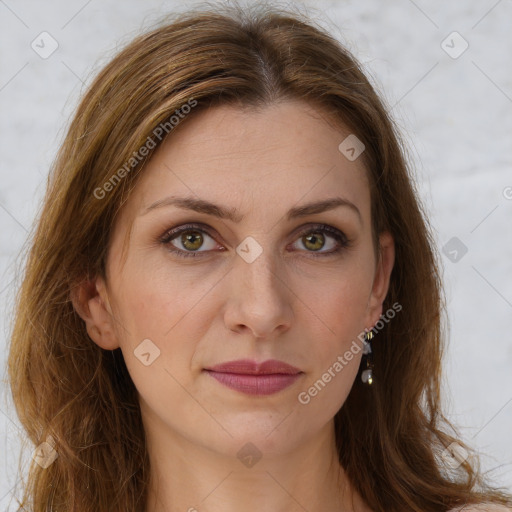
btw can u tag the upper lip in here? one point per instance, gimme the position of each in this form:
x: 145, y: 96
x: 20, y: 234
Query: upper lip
x: 250, y: 367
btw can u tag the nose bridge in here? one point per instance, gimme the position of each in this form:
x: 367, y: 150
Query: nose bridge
x: 257, y: 267
x: 259, y: 296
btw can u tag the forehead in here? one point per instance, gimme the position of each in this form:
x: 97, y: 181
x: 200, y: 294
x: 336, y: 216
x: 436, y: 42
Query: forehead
x: 283, y: 152
x: 259, y: 163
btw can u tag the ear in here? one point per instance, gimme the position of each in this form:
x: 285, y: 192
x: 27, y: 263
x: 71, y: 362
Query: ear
x: 90, y: 300
x: 381, y: 279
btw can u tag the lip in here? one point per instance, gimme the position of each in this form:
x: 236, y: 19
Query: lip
x: 250, y: 367
x: 255, y: 378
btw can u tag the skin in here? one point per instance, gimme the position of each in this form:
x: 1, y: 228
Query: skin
x: 287, y: 305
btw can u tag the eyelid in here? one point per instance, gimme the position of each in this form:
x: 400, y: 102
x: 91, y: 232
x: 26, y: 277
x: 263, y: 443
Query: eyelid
x: 188, y: 226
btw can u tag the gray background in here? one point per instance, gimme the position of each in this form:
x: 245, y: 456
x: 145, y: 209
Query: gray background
x: 456, y: 114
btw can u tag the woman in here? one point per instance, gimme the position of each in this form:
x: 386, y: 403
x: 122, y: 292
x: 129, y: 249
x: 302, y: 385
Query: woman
x: 232, y: 299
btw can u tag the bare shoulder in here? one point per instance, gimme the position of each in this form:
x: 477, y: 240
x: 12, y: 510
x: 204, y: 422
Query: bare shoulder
x: 483, y: 507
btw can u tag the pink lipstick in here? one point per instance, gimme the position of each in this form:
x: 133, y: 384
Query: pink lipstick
x: 255, y: 378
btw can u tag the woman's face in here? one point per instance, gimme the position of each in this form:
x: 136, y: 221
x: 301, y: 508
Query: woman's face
x: 245, y: 279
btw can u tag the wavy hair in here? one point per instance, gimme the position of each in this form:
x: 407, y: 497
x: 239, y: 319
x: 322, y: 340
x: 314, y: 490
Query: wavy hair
x: 80, y: 400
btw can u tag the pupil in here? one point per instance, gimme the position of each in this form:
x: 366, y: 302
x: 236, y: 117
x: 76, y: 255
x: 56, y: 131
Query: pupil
x: 190, y: 238
x: 314, y: 237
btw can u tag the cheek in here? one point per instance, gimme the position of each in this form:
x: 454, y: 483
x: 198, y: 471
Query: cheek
x: 156, y: 298
x: 167, y: 309
x: 338, y: 301
x: 336, y: 313
x: 156, y: 339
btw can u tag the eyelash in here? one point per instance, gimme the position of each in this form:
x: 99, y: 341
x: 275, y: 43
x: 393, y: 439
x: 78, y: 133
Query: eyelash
x: 339, y: 236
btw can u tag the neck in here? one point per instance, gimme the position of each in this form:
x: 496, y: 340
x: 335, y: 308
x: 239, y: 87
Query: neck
x: 187, y: 477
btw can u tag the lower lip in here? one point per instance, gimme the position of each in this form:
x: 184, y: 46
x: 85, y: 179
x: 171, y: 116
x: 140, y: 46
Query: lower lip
x: 255, y: 384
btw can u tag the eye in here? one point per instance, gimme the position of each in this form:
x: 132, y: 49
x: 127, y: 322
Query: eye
x: 190, y: 237
x: 313, y: 238
x: 187, y: 240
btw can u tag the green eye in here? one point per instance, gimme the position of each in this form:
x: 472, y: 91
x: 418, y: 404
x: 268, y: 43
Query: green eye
x: 192, y: 239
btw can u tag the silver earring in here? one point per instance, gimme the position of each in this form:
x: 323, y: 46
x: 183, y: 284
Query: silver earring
x: 367, y: 375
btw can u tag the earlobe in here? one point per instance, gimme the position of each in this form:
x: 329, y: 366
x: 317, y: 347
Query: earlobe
x: 382, y: 277
x: 90, y: 301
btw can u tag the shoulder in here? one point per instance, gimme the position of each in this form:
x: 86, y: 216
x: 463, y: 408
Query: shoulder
x: 482, y: 507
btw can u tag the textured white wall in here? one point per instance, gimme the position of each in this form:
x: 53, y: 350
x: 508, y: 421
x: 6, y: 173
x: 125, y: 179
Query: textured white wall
x: 457, y: 117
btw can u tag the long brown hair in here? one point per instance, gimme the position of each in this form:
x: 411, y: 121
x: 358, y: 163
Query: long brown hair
x: 80, y: 399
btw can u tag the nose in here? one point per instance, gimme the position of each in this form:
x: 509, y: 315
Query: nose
x: 260, y: 298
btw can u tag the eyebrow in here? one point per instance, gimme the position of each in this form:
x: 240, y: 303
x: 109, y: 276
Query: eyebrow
x: 208, y: 208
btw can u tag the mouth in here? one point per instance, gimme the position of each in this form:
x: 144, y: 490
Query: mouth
x: 254, y: 378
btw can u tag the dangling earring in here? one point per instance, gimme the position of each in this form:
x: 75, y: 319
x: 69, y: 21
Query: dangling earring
x: 367, y: 375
